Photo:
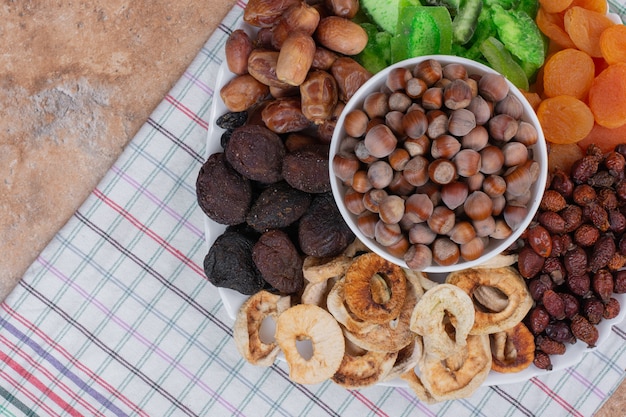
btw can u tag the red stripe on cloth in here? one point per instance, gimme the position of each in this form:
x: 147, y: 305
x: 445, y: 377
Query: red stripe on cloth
x: 39, y: 385
x: 378, y: 412
x: 45, y: 372
x: 143, y: 228
x: 567, y: 406
x: 180, y: 106
x: 70, y: 358
x: 241, y: 4
x: 32, y: 397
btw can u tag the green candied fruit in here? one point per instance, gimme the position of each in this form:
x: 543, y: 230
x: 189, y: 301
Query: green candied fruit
x: 422, y: 30
x: 499, y: 58
x: 377, y: 52
x: 465, y: 22
x: 520, y: 35
x: 484, y: 29
x: 386, y: 13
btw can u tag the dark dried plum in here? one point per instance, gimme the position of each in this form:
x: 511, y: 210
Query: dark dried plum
x: 279, y: 261
x: 223, y: 194
x: 306, y: 169
x: 322, y: 231
x: 279, y: 205
x: 257, y: 153
x: 229, y: 263
x: 232, y: 120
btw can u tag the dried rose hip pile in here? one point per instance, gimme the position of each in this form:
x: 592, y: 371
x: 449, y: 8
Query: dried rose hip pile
x: 573, y: 253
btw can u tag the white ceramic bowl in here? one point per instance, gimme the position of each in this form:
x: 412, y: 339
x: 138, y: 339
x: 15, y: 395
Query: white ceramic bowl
x: 539, y: 152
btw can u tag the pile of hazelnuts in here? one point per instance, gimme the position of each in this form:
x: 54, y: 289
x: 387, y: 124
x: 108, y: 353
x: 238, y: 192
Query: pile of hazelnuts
x: 437, y: 162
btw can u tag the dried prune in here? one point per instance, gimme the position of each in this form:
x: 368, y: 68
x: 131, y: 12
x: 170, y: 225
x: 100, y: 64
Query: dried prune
x: 321, y: 230
x: 278, y: 206
x: 279, y: 262
x: 223, y: 194
x: 232, y: 120
x: 257, y: 153
x: 229, y: 264
x: 306, y: 169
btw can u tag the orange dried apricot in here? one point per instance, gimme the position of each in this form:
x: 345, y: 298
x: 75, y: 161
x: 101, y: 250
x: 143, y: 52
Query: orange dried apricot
x: 607, y: 96
x: 551, y: 25
x: 600, y: 6
x: 605, y: 138
x: 613, y: 44
x: 564, y: 119
x: 562, y: 156
x: 584, y: 28
x: 533, y: 98
x: 570, y: 72
x: 555, y: 6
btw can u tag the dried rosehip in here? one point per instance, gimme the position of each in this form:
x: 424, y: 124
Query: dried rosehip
x: 603, y: 251
x: 529, y: 263
x: 584, y: 168
x: 538, y: 320
x: 579, y: 284
x: 542, y: 360
x: 621, y: 149
x: 611, y: 309
x: 540, y: 240
x: 560, y: 244
x: 602, y: 284
x: 552, y: 200
x: 553, y: 304
x: 598, y: 215
x: 552, y: 221
x: 619, y: 286
x: 620, y: 190
x: 549, y: 346
x: 586, y: 235
x: 575, y: 261
x: 593, y: 309
x: 562, y: 183
x: 601, y: 179
x: 584, y: 331
x: 539, y: 285
x: 607, y: 198
x: 616, y: 262
x: 573, y: 216
x: 614, y: 162
x: 622, y: 245
x: 584, y: 194
x: 572, y: 305
x: 555, y: 269
x: 617, y: 221
x: 560, y: 332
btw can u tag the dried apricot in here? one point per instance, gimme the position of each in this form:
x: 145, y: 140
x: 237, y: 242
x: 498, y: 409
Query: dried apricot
x: 613, y: 44
x: 533, y: 98
x: 584, y: 27
x: 600, y: 6
x: 605, y: 138
x: 564, y: 119
x: 562, y: 156
x: 555, y: 6
x: 607, y: 96
x: 551, y: 25
x: 569, y: 72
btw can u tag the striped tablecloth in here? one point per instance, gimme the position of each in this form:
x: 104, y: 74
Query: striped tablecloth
x: 115, y: 317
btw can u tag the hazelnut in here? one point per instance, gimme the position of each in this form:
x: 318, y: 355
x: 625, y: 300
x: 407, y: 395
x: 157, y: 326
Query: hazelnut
x: 473, y: 249
x: 366, y: 222
x: 418, y: 257
x: 492, y: 159
x: 515, y: 153
x: 345, y: 165
x: 380, y: 141
x: 493, y: 87
x: 445, y: 146
x: 376, y: 104
x: 467, y: 162
x: 484, y: 227
x: 478, y: 205
x: 354, y: 202
x: 481, y: 108
x: 416, y: 170
x: 360, y: 181
x: 518, y: 181
x: 355, y: 123
x: 418, y: 208
x: 462, y: 232
x: 502, y: 127
x: 475, y: 139
x: 461, y: 122
x: 399, y: 158
x: 526, y: 133
x: 430, y: 71
x: 414, y: 124
x: 387, y: 234
x: 391, y: 209
x: 397, y: 79
x: 514, y: 216
x: 417, y: 146
x: 510, y: 105
x: 432, y: 98
x: 494, y: 185
x: 421, y: 233
x: 454, y: 71
x: 437, y: 123
x: 442, y: 171
x: 445, y: 252
x: 441, y: 220
x: 454, y: 194
x: 502, y: 230
x: 373, y: 198
x: 457, y: 94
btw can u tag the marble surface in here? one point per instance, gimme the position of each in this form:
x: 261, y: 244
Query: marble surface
x: 79, y: 79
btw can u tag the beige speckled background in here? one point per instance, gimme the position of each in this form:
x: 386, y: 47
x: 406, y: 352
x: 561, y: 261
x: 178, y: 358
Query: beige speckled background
x: 77, y: 80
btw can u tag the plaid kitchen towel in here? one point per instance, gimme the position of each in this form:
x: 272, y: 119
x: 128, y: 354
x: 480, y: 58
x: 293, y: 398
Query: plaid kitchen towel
x: 116, y: 317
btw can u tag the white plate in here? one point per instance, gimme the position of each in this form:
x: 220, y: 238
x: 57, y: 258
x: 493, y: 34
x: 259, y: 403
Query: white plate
x: 232, y: 300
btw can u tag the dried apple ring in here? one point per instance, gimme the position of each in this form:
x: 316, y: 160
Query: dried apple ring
x: 310, y: 322
x: 501, y: 297
x: 513, y: 350
x: 459, y: 375
x: 408, y: 358
x: 430, y: 319
x: 361, y: 368
x: 247, y: 329
x: 336, y: 306
x: 317, y: 269
x: 375, y: 288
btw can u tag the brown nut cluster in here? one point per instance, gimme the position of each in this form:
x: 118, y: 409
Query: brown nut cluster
x: 297, y: 67
x: 437, y: 163
x: 574, y: 253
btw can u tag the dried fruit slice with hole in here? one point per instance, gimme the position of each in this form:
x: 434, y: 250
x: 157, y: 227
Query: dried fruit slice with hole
x: 584, y: 27
x: 501, y: 297
x: 570, y: 72
x: 607, y: 96
x: 513, y: 350
x: 564, y: 119
x: 310, y: 322
x: 317, y: 269
x: 337, y: 307
x: 360, y: 368
x: 247, y: 328
x: 431, y: 317
x: 408, y: 358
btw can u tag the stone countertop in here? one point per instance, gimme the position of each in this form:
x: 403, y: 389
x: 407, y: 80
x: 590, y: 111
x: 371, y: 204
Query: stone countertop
x: 78, y: 81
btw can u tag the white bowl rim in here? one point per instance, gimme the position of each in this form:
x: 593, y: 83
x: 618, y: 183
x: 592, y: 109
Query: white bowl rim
x: 539, y: 153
